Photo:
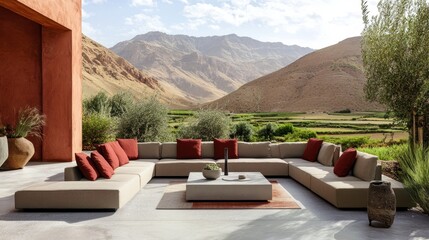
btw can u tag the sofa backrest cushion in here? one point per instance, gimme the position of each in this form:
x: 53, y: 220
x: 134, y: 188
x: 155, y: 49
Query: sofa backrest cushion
x: 120, y: 153
x: 365, y: 166
x: 103, y: 167
x: 312, y: 149
x: 149, y: 150
x: 274, y: 150
x: 130, y: 147
x: 207, y: 150
x: 188, y: 148
x: 86, y: 166
x: 254, y: 149
x: 109, y: 154
x: 326, y: 154
x: 292, y: 149
x: 345, y: 163
x: 168, y: 150
x: 221, y: 144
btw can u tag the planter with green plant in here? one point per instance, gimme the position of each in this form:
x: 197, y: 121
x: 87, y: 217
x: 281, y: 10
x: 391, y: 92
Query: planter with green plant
x: 30, y: 122
x: 212, y: 171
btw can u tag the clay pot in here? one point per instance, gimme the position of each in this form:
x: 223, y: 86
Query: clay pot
x: 212, y: 174
x: 20, y: 152
x: 381, y: 203
x: 4, y: 152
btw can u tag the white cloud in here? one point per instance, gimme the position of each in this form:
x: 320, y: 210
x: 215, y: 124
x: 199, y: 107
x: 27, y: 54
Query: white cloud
x: 85, y: 14
x: 88, y: 29
x: 142, y: 3
x: 146, y: 23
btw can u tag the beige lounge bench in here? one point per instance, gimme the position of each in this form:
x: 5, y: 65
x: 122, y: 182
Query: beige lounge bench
x: 159, y: 160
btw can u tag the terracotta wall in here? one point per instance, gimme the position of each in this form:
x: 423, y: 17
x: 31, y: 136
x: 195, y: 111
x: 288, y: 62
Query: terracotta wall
x: 55, y: 86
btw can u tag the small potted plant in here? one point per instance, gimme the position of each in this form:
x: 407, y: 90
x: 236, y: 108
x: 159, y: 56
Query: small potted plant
x: 212, y: 171
x: 29, y: 123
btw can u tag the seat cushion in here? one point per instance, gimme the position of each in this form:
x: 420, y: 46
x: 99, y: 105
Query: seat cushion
x: 145, y: 173
x: 266, y: 166
x: 221, y: 144
x: 312, y: 149
x: 253, y: 150
x: 180, y: 167
x: 130, y: 147
x: 188, y: 148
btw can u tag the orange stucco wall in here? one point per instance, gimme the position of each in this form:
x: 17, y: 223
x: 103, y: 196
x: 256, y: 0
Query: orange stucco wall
x: 44, y: 48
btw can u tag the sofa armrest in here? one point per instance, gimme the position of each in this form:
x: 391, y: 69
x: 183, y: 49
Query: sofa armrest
x: 72, y: 174
x: 378, y: 172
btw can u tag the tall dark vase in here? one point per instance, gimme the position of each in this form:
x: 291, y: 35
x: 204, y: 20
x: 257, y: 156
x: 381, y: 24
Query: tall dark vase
x: 225, y: 154
x: 381, y: 203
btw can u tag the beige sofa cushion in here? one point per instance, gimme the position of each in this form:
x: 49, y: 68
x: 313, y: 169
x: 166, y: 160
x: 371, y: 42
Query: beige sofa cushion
x: 274, y: 150
x: 168, y: 150
x: 326, y: 154
x: 365, y: 166
x: 180, y: 167
x: 149, y: 150
x: 292, y: 149
x: 207, y: 150
x: 266, y: 166
x: 253, y: 150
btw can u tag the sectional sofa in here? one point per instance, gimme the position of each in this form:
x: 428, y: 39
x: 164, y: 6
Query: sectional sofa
x: 159, y: 160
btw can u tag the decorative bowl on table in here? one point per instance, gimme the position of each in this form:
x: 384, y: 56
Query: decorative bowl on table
x: 212, y: 171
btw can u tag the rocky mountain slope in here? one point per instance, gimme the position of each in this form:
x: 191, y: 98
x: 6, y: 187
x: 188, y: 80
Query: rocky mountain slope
x: 330, y: 79
x: 206, y: 68
x: 104, y: 71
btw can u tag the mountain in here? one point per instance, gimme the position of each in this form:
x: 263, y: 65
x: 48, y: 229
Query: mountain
x: 103, y: 70
x: 206, y: 68
x: 330, y: 79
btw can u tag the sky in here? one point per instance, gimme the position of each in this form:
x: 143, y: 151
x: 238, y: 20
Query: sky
x: 307, y: 23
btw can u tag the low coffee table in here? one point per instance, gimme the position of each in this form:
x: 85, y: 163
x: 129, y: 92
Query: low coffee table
x: 229, y: 188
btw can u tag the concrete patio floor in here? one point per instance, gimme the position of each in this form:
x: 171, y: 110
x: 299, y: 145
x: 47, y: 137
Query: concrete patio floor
x: 139, y: 219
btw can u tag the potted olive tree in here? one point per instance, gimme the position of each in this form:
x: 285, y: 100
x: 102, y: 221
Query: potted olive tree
x: 30, y: 122
x: 212, y: 171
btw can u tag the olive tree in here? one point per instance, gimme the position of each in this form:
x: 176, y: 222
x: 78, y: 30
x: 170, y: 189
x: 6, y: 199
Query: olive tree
x: 395, y: 52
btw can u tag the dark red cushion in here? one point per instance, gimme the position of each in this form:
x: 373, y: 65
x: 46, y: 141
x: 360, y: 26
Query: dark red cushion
x: 188, y: 148
x: 109, y: 154
x: 86, y: 166
x: 221, y: 144
x: 345, y: 163
x: 130, y: 147
x: 103, y: 167
x: 312, y: 149
x: 120, y: 153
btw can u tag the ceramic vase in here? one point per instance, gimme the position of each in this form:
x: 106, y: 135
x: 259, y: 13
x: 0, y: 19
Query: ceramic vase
x: 20, y: 152
x: 212, y: 174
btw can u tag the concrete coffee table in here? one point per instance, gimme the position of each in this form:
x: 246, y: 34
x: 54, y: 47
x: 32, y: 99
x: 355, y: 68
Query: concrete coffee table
x: 229, y: 188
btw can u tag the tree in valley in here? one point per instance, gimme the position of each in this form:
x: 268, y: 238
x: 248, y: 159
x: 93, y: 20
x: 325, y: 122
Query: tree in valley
x: 395, y: 52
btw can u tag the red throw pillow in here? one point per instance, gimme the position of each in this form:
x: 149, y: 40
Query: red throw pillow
x: 188, y: 148
x: 109, y: 154
x: 86, y: 166
x: 312, y: 149
x: 103, y: 167
x: 345, y: 162
x: 221, y: 144
x: 122, y: 156
x: 130, y: 147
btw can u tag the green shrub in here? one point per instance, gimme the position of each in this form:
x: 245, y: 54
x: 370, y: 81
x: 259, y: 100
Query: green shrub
x: 349, y: 142
x: 113, y: 106
x: 242, y: 131
x: 146, y: 120
x: 347, y: 110
x: 284, y: 129
x: 386, y: 153
x: 97, y: 128
x: 207, y: 125
x: 267, y: 132
x: 119, y: 104
x: 415, y: 174
x: 99, y: 103
x: 300, y: 134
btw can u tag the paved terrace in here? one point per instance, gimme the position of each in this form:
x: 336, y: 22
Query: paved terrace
x: 140, y: 220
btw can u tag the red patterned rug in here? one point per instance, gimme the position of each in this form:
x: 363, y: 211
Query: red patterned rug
x: 174, y: 198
